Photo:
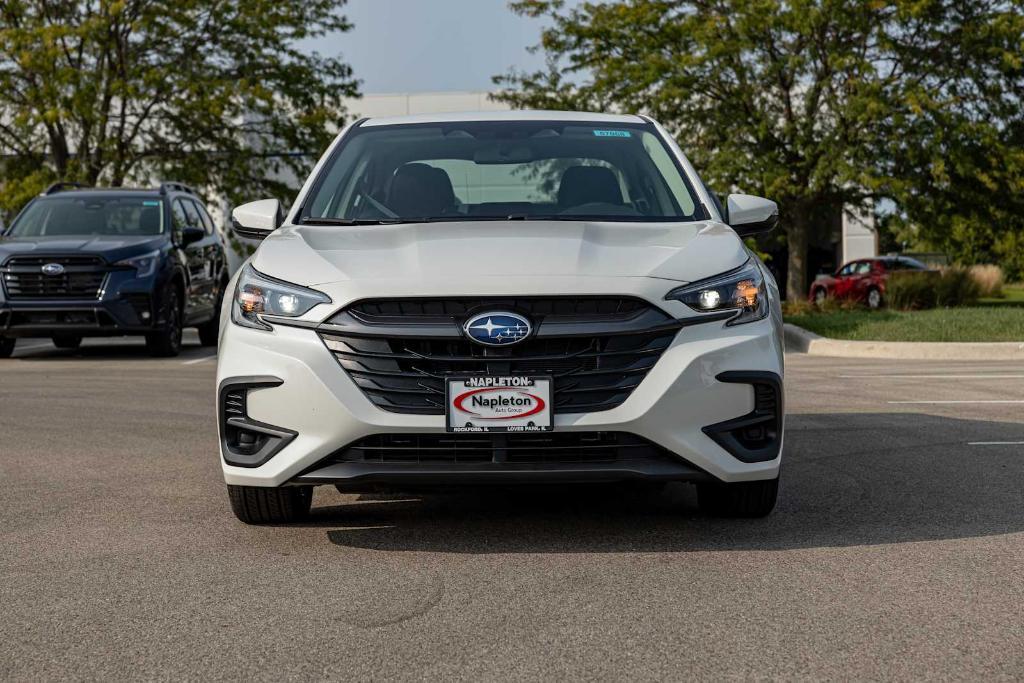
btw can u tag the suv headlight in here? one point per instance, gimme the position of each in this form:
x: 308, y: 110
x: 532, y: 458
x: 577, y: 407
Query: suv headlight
x: 742, y: 290
x: 144, y: 265
x: 257, y: 295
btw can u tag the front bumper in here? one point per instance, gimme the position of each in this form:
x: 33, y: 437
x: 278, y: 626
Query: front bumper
x: 124, y: 306
x: 306, y: 394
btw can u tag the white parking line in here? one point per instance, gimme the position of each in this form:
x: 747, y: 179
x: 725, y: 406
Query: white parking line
x: 995, y: 443
x: 198, y: 360
x: 999, y: 376
x: 950, y: 402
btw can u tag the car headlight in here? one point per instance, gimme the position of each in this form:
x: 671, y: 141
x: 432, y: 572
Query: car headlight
x: 144, y: 265
x: 257, y: 295
x: 742, y: 290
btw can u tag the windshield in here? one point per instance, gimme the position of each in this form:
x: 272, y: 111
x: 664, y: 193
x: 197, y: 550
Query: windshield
x: 500, y: 170
x: 90, y: 215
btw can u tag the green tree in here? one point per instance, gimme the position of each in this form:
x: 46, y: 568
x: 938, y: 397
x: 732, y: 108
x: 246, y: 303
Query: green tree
x: 203, y: 91
x: 955, y: 165
x: 814, y: 103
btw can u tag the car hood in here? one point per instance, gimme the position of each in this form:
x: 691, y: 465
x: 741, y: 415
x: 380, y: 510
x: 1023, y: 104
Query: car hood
x: 110, y: 247
x: 315, y: 255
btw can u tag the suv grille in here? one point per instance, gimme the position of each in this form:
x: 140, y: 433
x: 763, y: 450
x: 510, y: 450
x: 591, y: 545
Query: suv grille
x: 549, y: 447
x: 82, y: 278
x: 597, y: 350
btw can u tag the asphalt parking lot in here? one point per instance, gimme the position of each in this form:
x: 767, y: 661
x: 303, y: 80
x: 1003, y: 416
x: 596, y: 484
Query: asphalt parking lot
x: 895, y: 550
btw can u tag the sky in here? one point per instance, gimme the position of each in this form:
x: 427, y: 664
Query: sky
x: 433, y: 45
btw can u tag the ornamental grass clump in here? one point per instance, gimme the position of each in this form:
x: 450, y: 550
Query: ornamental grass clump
x: 914, y: 291
x: 990, y: 279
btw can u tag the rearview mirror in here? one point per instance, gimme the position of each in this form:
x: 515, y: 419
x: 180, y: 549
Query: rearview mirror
x: 258, y: 219
x: 750, y: 215
x: 503, y: 154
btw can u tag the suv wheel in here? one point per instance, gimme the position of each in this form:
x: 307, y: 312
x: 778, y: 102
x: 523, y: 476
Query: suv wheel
x: 262, y: 505
x: 67, y: 341
x: 209, y: 330
x: 166, y: 341
x: 742, y: 499
x: 820, y: 294
x: 7, y: 346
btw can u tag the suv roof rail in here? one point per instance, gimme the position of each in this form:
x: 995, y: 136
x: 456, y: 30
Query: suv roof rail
x: 175, y: 186
x: 60, y: 187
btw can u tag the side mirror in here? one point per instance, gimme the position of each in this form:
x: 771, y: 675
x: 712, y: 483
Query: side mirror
x: 750, y: 215
x: 191, y: 235
x: 256, y: 220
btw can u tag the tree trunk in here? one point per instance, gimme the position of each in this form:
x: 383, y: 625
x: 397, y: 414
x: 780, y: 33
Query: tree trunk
x: 59, y: 152
x: 796, y: 272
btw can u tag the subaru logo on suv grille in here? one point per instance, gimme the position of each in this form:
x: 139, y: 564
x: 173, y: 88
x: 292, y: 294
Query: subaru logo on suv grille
x: 53, y: 269
x: 497, y: 328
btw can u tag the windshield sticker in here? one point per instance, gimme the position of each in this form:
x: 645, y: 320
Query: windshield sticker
x: 150, y: 203
x: 612, y: 133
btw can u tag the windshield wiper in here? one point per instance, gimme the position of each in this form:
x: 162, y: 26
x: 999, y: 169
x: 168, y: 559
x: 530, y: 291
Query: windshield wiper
x: 309, y: 220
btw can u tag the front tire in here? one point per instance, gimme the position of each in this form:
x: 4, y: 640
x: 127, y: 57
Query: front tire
x: 820, y: 294
x: 7, y: 346
x: 874, y: 298
x: 166, y: 342
x: 742, y: 499
x: 66, y: 341
x: 265, y: 505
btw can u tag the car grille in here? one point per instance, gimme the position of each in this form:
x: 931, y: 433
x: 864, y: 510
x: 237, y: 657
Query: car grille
x: 379, y: 310
x: 597, y: 350
x: 548, y: 448
x: 82, y: 278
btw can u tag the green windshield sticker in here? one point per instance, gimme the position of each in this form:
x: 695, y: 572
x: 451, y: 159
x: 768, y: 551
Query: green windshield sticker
x: 150, y: 203
x: 612, y: 133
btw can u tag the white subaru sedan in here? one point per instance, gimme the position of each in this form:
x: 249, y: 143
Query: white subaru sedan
x: 501, y: 298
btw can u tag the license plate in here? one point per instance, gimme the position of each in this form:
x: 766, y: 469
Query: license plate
x: 499, y: 404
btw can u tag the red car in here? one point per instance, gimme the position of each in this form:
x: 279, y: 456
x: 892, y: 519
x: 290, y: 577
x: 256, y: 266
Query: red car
x: 862, y: 280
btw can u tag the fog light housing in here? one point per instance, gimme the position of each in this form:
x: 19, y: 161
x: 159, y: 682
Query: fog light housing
x: 246, y: 442
x: 756, y: 436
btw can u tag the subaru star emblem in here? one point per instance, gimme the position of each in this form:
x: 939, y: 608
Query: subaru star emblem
x: 497, y: 328
x: 53, y: 269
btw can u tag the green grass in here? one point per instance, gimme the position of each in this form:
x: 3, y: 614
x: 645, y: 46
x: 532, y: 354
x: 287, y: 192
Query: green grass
x: 1013, y: 295
x: 988, y: 322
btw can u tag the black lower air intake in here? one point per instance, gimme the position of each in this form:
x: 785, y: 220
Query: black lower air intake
x: 756, y: 436
x: 246, y: 442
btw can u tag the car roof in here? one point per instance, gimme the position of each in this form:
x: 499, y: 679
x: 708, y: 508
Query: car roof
x: 516, y: 115
x: 104, y: 190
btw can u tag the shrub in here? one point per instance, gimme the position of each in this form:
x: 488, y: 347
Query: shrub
x: 833, y: 304
x: 956, y: 287
x: 908, y: 291
x: 989, y: 278
x: 797, y: 307
x: 915, y: 291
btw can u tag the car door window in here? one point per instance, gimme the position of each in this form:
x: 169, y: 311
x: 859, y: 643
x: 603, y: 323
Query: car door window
x: 846, y: 270
x: 862, y: 268
x: 204, y: 218
x: 178, y: 217
x: 191, y: 215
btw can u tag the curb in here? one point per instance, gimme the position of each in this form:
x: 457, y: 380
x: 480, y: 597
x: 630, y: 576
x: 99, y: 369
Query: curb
x: 800, y: 340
